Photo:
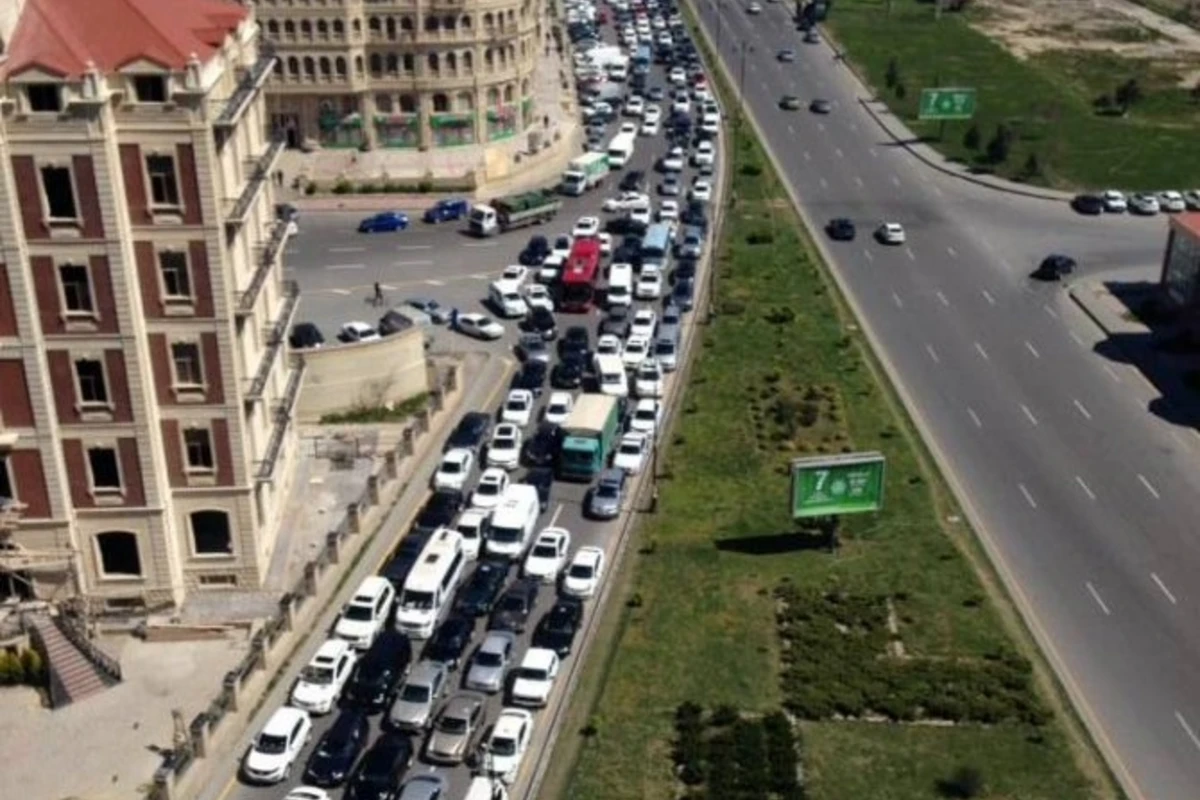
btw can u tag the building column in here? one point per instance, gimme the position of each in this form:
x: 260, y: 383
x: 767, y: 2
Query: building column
x: 425, y: 109
x: 367, y: 111
x: 480, y: 116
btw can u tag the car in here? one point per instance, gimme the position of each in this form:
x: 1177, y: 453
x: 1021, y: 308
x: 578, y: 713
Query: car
x: 535, y: 252
x: 644, y: 323
x: 518, y: 407
x: 447, y: 210
x: 669, y: 186
x: 702, y: 190
x: 455, y: 469
x: 673, y: 161
x: 514, y: 273
x: 606, y: 243
x: 575, y: 340
x: 754, y: 8
x: 641, y: 215
x: 431, y: 308
x: 811, y: 36
x: 841, y: 229
x: 479, y: 326
x: 563, y: 244
x: 532, y: 347
x: 652, y: 114
x: 1089, y: 204
x: 418, y: 696
x: 625, y: 226
x: 277, y: 746
x: 1054, y: 267
x: 789, y: 102
x: 541, y: 449
x: 366, y: 613
x: 1114, y: 201
x: 403, y: 559
x: 505, y: 747
x: 550, y: 268
x: 440, y: 510
x: 636, y: 349
x: 634, y: 107
x: 684, y: 293
x: 381, y: 768
x: 490, y: 488
x: 569, y: 371
x: 423, y: 787
x: 626, y: 201
x: 537, y: 296
x: 531, y: 376
x: 542, y: 322
x: 705, y: 154
x: 454, y: 731
x: 491, y: 662
x: 558, y: 408
x: 323, y: 679
x: 628, y: 127
x: 558, y: 628
x: 668, y: 211
x: 474, y: 525
x: 609, y: 345
x: 586, y: 227
x: 655, y: 94
x: 585, y: 572
x: 305, y: 336
x: 384, y: 222
x: 541, y: 478
x: 1144, y: 203
x: 336, y: 752
x: 649, y: 284
x: 633, y: 182
x: 514, y: 607
x: 358, y: 331
x: 504, y: 449
x: 672, y: 315
x: 648, y: 379
x: 548, y: 555
x: 820, y: 106
x: 786, y: 56
x: 890, y: 233
x: 1172, y: 201
x: 450, y: 640
x: 479, y: 594
x: 604, y: 500
x: 616, y: 322
x: 630, y: 455
x: 689, y: 249
x: 307, y: 793
x: 677, y: 76
x: 471, y: 432
x: 1191, y: 199
x: 534, y: 678
x: 647, y: 416
x: 379, y: 672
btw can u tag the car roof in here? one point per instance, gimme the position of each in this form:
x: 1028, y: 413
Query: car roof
x: 283, y: 720
x: 539, y: 657
x: 330, y: 650
x: 463, y: 702
x: 591, y: 552
x: 502, y: 638
x: 457, y: 454
x: 611, y: 475
x: 510, y: 720
x: 425, y: 670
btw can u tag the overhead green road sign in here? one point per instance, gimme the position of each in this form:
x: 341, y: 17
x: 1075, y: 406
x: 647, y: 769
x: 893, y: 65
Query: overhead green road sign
x: 947, y: 103
x: 824, y: 486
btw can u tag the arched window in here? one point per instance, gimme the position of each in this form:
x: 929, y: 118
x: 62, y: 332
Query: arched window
x: 508, y: 93
x: 448, y: 23
x: 465, y: 101
x: 451, y: 62
x: 294, y: 66
x: 306, y: 28
x: 434, y: 64
x: 410, y: 62
x: 119, y: 556
x: 289, y: 27
x: 376, y: 62
x: 406, y: 23
x: 358, y: 65
x: 357, y: 26
x: 391, y: 28
x: 324, y: 64
x: 441, y: 103
x: 310, y: 67
x: 374, y: 26
x: 272, y: 28
x: 468, y: 61
x: 489, y: 59
x: 488, y: 20
x: 322, y: 27
x: 278, y: 69
x: 383, y: 103
x: 431, y: 23
x: 393, y: 64
x: 339, y: 66
x: 493, y: 97
x: 466, y: 22
x: 338, y: 28
x: 408, y: 104
x: 211, y: 533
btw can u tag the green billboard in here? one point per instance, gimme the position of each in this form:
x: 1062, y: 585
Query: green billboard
x: 824, y: 486
x: 947, y: 103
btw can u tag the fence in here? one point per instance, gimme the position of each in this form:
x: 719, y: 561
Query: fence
x: 242, y: 687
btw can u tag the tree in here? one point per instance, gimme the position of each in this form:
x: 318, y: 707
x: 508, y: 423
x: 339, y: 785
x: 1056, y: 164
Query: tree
x: 964, y: 784
x: 11, y: 671
x: 1128, y: 93
x: 1033, y: 167
x: 999, y: 145
x: 892, y: 76
x: 900, y: 91
x: 973, y: 138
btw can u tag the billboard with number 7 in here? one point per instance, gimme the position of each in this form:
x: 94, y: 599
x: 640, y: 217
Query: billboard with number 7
x: 824, y: 486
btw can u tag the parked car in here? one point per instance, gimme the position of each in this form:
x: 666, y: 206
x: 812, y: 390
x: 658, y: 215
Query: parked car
x: 1089, y: 204
x: 336, y: 752
x: 471, y: 432
x: 450, y: 641
x: 479, y: 326
x: 479, y: 594
x: 384, y: 222
x: 358, y: 331
x: 417, y: 698
x: 558, y: 628
x: 379, y: 672
x: 491, y: 662
x: 455, y: 729
x: 584, y: 573
x: 604, y: 500
x: 277, y: 746
x: 440, y: 510
x: 431, y: 308
x: 1054, y: 267
x: 305, y: 336
x: 535, y: 252
x: 323, y: 679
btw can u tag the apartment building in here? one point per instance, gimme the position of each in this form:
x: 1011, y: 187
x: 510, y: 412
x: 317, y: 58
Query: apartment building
x: 402, y: 73
x: 145, y: 388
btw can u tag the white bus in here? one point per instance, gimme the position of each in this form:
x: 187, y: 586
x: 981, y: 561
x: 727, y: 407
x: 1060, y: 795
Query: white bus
x: 430, y: 586
x: 620, y: 150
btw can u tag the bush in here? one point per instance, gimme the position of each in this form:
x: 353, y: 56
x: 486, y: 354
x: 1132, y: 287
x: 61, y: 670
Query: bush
x: 973, y: 138
x: 760, y: 237
x: 751, y: 170
x: 964, y: 784
x: 725, y: 715
x: 368, y: 188
x: 310, y: 189
x: 343, y: 187
x: 11, y: 670
x: 33, y: 667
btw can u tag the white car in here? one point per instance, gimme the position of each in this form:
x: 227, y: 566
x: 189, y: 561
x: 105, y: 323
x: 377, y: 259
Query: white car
x: 681, y: 106
x: 358, y: 331
x: 490, y: 489
x: 586, y: 227
x: 307, y: 793
x: 754, y: 8
x: 558, y: 408
x: 518, y: 407
x: 668, y: 211
x: 1144, y: 203
x: 538, y: 296
x: 534, y: 679
x: 584, y: 573
x: 637, y: 348
x: 649, y: 283
x: 673, y: 160
x: 710, y: 124
x: 606, y: 241
x: 643, y: 215
x: 645, y: 322
x: 648, y: 380
x: 277, y: 746
x: 550, y: 268
x: 609, y: 345
x: 702, y: 190
x: 651, y: 128
x: 515, y: 273
x: 473, y: 524
x: 631, y: 452
x: 364, y: 616
x: 647, y: 416
x: 480, y: 326
x: 634, y: 106
x: 677, y: 76
x: 321, y: 682
x: 548, y: 555
x: 627, y: 201
x: 628, y: 127
x: 455, y: 469
x: 505, y: 748
x: 1172, y: 201
x: 1191, y: 199
x: 890, y: 233
x: 504, y: 450
x: 1114, y: 201
x: 653, y: 114
x: 705, y: 154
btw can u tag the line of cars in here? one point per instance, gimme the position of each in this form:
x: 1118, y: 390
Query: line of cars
x: 1112, y: 201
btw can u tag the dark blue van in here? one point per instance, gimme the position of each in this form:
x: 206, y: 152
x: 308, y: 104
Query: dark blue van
x: 447, y: 210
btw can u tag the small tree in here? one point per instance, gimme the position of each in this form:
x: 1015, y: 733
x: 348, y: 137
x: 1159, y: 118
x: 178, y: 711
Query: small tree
x: 901, y: 91
x: 973, y: 138
x: 999, y: 146
x: 11, y: 671
x: 1128, y: 93
x: 892, y: 76
x: 1033, y: 167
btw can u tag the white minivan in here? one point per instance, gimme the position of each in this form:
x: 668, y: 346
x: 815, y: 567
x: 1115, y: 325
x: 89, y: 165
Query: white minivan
x: 506, y: 300
x: 513, y: 521
x: 431, y: 585
x: 367, y: 612
x: 611, y: 375
x: 483, y: 788
x: 620, y: 285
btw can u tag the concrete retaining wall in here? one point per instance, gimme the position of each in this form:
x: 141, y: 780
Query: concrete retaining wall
x: 343, y: 377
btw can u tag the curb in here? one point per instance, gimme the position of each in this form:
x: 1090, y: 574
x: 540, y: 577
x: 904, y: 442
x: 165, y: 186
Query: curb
x: 1087, y: 310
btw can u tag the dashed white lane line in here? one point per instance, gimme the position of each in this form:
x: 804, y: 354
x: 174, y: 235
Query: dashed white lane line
x: 1148, y: 485
x: 1028, y: 414
x: 896, y: 299
x: 824, y: 183
x: 1100, y: 602
x: 1053, y: 314
x: 1032, y: 350
x: 974, y: 418
x: 979, y: 349
x: 839, y: 152
x: 950, y: 251
x: 895, y: 181
x: 1078, y: 340
x: 1028, y: 497
x: 1191, y: 734
x: 911, y: 255
x: 433, y: 282
x: 854, y: 127
x: 479, y: 244
x: 1086, y: 489
x: 411, y: 263
x: 869, y: 255
x: 557, y: 511
x: 1111, y: 373
x: 807, y: 157
x: 932, y: 354
x: 988, y: 296
x: 414, y: 247
x: 858, y: 181
x: 1163, y: 588
x: 347, y: 249
x: 871, y: 150
x: 937, y: 190
x: 941, y: 297
x: 342, y: 292
x: 480, y: 276
x: 791, y: 130
x: 340, y: 267
x: 1082, y: 409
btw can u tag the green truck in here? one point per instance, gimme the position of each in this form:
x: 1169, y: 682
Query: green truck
x: 516, y: 211
x: 589, y: 436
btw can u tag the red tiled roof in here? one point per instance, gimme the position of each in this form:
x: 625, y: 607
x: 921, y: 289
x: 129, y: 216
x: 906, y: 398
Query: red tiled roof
x: 1188, y: 221
x: 62, y: 36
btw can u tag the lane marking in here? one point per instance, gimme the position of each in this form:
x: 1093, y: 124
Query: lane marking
x: 1103, y: 607
x: 791, y: 130
x: 480, y: 276
x: 433, y: 282
x: 979, y: 349
x: 821, y: 126
x: 1082, y: 409
x: 807, y: 157
x: 869, y: 255
x: 479, y: 244
x: 942, y: 298
x: 896, y: 299
x: 1149, y: 486
x: 858, y: 181
x: 347, y: 249
x: 932, y: 354
x: 1029, y: 414
x: 414, y: 247
x: 937, y: 190
x: 1028, y: 497
x: 1163, y: 587
x: 911, y: 256
x: 412, y: 263
x: 1033, y: 350
x: 975, y: 418
x: 1053, y: 314
x: 839, y: 152
x: 1078, y: 340
x: 871, y: 150
x: 951, y: 252
x: 1086, y: 489
x: 1191, y: 734
x: 988, y: 296
x: 336, y: 267
x: 554, y: 518
x: 342, y: 292
x: 1111, y: 373
x: 824, y: 184
x: 895, y: 181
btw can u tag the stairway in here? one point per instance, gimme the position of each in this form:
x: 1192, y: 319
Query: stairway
x: 73, y: 674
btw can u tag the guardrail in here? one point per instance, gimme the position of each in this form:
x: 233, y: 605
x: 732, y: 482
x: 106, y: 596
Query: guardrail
x: 275, y: 341
x: 76, y: 632
x: 266, y: 260
x: 260, y: 173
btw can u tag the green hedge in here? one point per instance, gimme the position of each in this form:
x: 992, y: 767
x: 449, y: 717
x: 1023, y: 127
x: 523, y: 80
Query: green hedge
x: 726, y: 756
x: 23, y: 667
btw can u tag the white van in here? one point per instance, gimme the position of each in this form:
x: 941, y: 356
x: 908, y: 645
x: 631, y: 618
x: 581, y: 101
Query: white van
x: 620, y: 149
x: 367, y: 612
x: 483, y: 788
x: 513, y: 521
x: 430, y: 586
x: 611, y: 375
x: 505, y: 298
x: 474, y: 525
x: 620, y: 285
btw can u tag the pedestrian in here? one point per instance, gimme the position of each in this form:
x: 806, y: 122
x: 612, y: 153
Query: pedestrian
x: 378, y: 294
x: 454, y: 317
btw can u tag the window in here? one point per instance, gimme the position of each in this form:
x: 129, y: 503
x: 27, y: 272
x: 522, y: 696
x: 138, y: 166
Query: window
x: 90, y: 374
x: 106, y: 472
x: 164, y: 190
x: 185, y: 356
x: 150, y: 88
x: 198, y: 448
x: 211, y: 533
x: 44, y: 97
x: 176, y: 281
x: 76, y: 288
x: 119, y: 554
x: 6, y: 485
x: 60, y: 192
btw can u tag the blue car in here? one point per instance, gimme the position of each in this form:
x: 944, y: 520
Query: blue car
x: 384, y: 222
x: 447, y: 210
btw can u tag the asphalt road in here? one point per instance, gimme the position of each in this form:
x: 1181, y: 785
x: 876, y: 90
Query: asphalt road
x: 336, y: 268
x: 1088, y: 497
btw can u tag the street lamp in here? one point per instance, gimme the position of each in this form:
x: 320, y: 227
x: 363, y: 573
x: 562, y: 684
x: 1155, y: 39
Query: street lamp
x: 746, y: 47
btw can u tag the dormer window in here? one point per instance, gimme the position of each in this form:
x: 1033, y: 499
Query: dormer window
x: 44, y: 97
x: 150, y: 88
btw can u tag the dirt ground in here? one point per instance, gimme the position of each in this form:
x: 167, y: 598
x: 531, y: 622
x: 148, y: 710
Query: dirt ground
x: 1029, y: 27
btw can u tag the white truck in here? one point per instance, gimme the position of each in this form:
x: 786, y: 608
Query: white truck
x: 584, y: 173
x: 620, y: 150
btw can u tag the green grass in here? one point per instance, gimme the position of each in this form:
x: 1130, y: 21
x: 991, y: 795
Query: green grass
x: 397, y: 412
x: 1048, y: 99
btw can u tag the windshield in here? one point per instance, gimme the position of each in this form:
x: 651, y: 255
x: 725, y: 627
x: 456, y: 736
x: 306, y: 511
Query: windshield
x: 645, y: 414
x: 608, y: 491
x: 506, y: 535
x: 488, y: 489
x: 503, y: 443
x: 558, y: 408
x: 631, y: 449
x: 503, y: 746
x: 531, y: 674
x: 545, y: 551
x: 581, y: 571
x: 414, y: 693
x: 664, y: 348
x: 612, y: 378
x: 450, y: 724
x: 489, y: 659
x: 358, y: 613
x: 272, y: 745
x: 416, y: 601
x: 517, y: 404
x: 512, y: 602
x: 451, y: 467
x: 320, y: 676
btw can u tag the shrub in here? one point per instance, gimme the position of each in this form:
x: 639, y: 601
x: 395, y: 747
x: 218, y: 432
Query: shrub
x: 973, y: 138
x: 760, y: 237
x: 368, y: 188
x: 343, y: 187
x: 11, y: 671
x: 725, y: 715
x: 964, y: 784
x: 33, y: 667
x: 310, y: 189
x: 751, y: 170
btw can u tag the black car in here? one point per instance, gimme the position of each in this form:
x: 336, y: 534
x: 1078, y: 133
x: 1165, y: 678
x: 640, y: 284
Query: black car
x: 568, y: 372
x: 532, y: 347
x: 471, y: 432
x: 450, y: 641
x: 440, y: 510
x: 684, y: 293
x: 1089, y: 204
x: 305, y: 336
x: 695, y: 215
x: 820, y: 106
x: 535, y: 252
x: 1054, y: 267
x: 515, y: 605
x: 789, y: 102
x: 558, y: 628
x: 404, y: 559
x: 382, y: 768
x: 634, y: 181
x: 625, y: 226
x: 575, y: 340
x: 541, y: 448
x: 479, y: 594
x: 542, y: 479
x: 629, y: 251
x: 685, y: 268
x: 338, y: 749
x: 541, y: 320
x: 532, y: 377
x: 618, y: 322
x: 841, y: 229
x: 380, y: 671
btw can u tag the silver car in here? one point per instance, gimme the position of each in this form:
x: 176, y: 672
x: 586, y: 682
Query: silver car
x: 455, y: 728
x: 491, y: 662
x: 413, y: 708
x: 605, y: 498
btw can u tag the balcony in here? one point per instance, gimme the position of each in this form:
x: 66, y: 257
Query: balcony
x: 266, y: 260
x: 10, y: 514
x: 250, y: 83
x: 275, y: 341
x: 283, y: 420
x: 260, y: 174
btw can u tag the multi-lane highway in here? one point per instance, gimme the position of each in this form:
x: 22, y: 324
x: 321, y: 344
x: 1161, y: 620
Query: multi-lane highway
x: 1087, y: 499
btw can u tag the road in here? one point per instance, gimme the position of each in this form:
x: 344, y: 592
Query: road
x: 1088, y: 498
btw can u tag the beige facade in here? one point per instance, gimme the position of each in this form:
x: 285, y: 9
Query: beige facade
x: 402, y: 73
x: 146, y: 393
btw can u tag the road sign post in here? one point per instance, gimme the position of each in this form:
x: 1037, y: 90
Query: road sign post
x: 946, y: 103
x: 830, y: 486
